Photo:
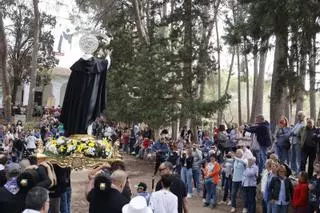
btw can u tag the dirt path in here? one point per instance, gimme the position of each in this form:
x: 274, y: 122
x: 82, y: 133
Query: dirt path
x: 138, y: 171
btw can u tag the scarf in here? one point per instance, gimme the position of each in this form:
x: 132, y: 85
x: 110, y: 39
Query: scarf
x: 12, y: 186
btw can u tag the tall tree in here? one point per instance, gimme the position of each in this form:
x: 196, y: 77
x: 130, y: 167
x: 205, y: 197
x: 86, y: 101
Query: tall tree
x: 33, y: 75
x: 4, y: 71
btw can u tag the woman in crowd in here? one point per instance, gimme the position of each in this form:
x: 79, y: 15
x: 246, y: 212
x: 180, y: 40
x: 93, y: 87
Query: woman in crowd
x: 212, y: 179
x: 249, y: 185
x: 238, y: 169
x: 283, y: 141
x: 280, y: 191
x: 186, y: 162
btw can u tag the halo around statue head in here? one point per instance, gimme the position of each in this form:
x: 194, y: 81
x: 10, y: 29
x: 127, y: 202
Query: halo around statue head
x: 88, y: 43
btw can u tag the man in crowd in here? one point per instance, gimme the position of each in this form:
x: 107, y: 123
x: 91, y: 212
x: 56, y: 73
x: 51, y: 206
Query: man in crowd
x: 296, y: 143
x: 309, y: 139
x: 161, y: 149
x: 262, y: 132
x: 177, y: 186
x: 164, y: 201
x: 37, y: 200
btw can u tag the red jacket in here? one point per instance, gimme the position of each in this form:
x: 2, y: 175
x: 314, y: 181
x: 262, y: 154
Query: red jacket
x: 300, y: 195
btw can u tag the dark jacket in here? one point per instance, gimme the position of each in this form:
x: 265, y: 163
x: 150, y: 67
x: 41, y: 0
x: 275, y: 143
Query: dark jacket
x: 10, y: 203
x: 262, y: 132
x: 110, y: 201
x: 309, y: 137
x: 274, y: 189
x: 186, y: 162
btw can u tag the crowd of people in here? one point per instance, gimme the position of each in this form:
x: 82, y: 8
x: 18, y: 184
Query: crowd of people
x: 240, y: 161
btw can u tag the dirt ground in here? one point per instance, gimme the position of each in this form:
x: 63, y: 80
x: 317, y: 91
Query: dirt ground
x: 138, y: 170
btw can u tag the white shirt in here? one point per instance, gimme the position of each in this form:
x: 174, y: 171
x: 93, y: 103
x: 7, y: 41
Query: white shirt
x: 31, y: 142
x: 163, y: 201
x: 30, y: 211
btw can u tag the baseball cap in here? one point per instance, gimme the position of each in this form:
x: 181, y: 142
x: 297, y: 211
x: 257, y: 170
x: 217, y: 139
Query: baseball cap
x: 142, y: 186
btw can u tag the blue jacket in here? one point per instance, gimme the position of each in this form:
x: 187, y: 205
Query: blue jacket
x: 160, y: 147
x: 262, y: 132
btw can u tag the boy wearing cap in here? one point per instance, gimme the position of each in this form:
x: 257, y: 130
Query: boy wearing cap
x: 142, y: 191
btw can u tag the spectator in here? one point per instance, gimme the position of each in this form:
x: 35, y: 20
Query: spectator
x: 264, y: 179
x: 161, y: 149
x: 300, y: 194
x: 177, y: 187
x: 309, y: 139
x: 249, y: 184
x: 142, y: 191
x: 186, y: 162
x: 164, y: 201
x: 227, y: 170
x: 262, y: 132
x: 3, y: 162
x: 212, y: 172
x: 106, y: 193
x: 280, y: 191
x: 196, y: 167
x: 238, y: 169
x: 137, y: 205
x: 37, y: 200
x: 11, y: 200
x: 283, y: 141
x: 314, y: 193
x: 296, y: 143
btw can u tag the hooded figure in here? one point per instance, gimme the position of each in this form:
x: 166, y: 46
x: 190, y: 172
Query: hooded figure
x: 84, y: 99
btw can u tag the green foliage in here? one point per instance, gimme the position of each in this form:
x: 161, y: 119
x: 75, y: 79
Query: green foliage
x: 21, y: 41
x: 148, y: 82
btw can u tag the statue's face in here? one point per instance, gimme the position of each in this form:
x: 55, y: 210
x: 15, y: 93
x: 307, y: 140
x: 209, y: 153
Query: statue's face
x: 88, y: 43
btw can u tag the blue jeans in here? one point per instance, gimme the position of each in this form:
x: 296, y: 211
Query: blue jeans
x: 262, y: 157
x: 186, y: 176
x: 196, y: 179
x: 211, y: 195
x: 65, y: 202
x: 227, y: 188
x: 283, y: 154
x: 296, y: 157
x: 279, y: 208
x: 250, y: 198
x: 234, y: 191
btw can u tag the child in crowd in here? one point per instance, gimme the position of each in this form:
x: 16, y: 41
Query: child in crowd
x: 212, y: 172
x: 142, y: 191
x: 227, y: 169
x: 264, y: 179
x: 273, y: 172
x: 249, y: 185
x: 300, y: 194
x: 280, y: 191
x: 238, y: 169
x: 314, y: 193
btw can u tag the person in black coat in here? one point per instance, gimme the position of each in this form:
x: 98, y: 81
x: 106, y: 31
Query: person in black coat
x: 104, y: 198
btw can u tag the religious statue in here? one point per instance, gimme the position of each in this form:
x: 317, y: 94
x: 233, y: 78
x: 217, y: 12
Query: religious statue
x: 84, y: 99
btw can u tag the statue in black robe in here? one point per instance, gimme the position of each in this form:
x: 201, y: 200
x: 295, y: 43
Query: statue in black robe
x: 84, y: 99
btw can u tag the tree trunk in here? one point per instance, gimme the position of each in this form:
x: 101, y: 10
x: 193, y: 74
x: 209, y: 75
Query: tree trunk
x: 140, y: 28
x: 278, y: 82
x: 34, y: 58
x: 187, y: 61
x: 219, y: 70
x: 301, y: 82
x: 312, y: 74
x: 239, y: 87
x: 247, y: 88
x: 255, y: 78
x: 230, y: 70
x: 4, y: 71
x: 260, y: 80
